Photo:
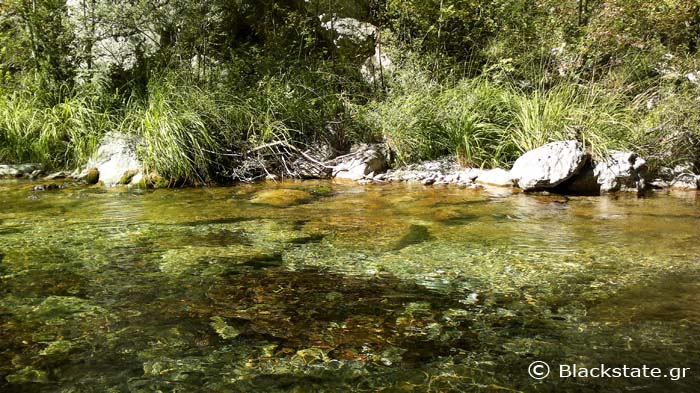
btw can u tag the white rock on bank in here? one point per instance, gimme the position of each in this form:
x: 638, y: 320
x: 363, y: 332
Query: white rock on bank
x: 619, y: 171
x: 362, y: 160
x: 686, y: 181
x: 622, y: 171
x: 19, y: 170
x: 495, y: 177
x: 116, y: 157
x: 549, y: 165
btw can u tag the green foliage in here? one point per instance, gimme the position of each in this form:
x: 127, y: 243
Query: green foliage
x: 670, y: 130
x: 421, y: 119
x: 211, y: 81
x: 172, y: 123
x: 408, y: 119
x: 474, y: 113
x: 490, y: 124
x: 570, y: 111
x: 62, y: 134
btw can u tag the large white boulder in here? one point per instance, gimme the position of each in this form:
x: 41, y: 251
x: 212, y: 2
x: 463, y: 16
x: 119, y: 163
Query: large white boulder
x: 348, y: 28
x: 549, y: 165
x: 377, y: 66
x: 116, y: 161
x: 686, y: 181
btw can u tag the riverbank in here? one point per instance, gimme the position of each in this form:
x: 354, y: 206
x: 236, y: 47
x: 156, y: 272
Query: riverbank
x: 563, y: 167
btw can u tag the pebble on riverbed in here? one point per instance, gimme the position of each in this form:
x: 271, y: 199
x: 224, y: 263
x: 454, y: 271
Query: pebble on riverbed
x: 47, y: 187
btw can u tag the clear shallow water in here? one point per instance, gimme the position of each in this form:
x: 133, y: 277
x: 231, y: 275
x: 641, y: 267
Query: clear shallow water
x: 342, y: 288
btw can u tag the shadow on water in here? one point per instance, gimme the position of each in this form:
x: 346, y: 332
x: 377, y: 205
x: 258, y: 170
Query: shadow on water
x: 669, y: 298
x: 346, y: 316
x: 219, y: 237
x: 416, y: 234
x: 226, y: 220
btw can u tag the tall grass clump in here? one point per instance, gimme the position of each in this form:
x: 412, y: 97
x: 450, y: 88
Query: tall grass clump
x: 409, y: 119
x: 600, y: 120
x: 669, y: 132
x: 422, y: 119
x: 299, y: 106
x: 189, y: 133
x: 179, y: 130
x: 487, y: 123
x: 57, y: 133
x: 473, y: 113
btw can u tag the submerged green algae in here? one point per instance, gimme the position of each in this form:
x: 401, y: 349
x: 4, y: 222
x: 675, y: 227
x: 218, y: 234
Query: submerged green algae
x: 360, y: 288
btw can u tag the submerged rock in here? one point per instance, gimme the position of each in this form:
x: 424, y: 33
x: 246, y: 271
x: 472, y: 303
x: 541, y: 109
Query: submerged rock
x: 46, y: 187
x: 280, y: 197
x: 28, y: 375
x: 363, y: 160
x: 549, y: 165
x: 416, y: 234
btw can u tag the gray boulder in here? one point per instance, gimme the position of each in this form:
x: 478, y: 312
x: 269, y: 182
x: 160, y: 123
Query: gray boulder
x: 348, y: 29
x: 363, y: 160
x: 620, y: 171
x: 351, y: 37
x: 686, y: 181
x: 377, y: 66
x: 549, y: 165
x: 116, y: 161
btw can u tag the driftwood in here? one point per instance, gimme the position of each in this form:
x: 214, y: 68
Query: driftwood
x: 277, y: 159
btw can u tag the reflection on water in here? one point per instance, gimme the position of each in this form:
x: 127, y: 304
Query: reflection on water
x: 350, y: 288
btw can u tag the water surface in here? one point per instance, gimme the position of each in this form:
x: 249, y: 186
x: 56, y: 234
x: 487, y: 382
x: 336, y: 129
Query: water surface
x: 343, y: 288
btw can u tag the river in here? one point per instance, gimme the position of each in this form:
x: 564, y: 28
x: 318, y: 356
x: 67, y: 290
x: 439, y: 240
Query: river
x: 337, y: 287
